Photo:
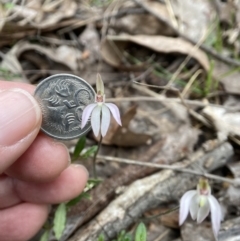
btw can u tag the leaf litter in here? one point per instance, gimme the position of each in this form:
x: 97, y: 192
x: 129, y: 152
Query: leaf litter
x: 175, y: 97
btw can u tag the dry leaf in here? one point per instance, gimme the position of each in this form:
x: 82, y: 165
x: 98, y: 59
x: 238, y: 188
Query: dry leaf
x: 65, y: 55
x: 226, y: 123
x: 125, y: 137
x: 44, y: 15
x: 194, y: 17
x: 91, y: 41
x: 2, y: 16
x: 159, y: 9
x: 230, y: 79
x: 12, y: 31
x: 156, y: 230
x: 234, y: 168
x: 112, y: 48
x: 142, y: 24
x: 227, y: 11
x: 122, y: 135
x: 192, y: 231
x: 10, y: 61
x: 233, y: 192
x: 170, y: 219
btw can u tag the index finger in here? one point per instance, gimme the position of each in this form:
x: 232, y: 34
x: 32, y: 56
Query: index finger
x: 6, y: 85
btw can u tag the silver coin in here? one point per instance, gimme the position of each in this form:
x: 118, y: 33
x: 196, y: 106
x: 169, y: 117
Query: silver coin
x: 62, y: 98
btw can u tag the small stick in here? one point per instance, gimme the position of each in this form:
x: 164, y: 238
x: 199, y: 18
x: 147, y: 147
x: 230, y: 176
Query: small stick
x: 162, y: 99
x: 169, y: 167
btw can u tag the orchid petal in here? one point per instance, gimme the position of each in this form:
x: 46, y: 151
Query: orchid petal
x: 185, y: 204
x: 203, y: 210
x: 99, y: 84
x: 105, y: 122
x: 95, y: 120
x: 194, y: 207
x: 115, y: 112
x: 86, y: 113
x: 216, y: 214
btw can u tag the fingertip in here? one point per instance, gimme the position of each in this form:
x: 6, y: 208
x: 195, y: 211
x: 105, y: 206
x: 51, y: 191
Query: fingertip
x: 20, y: 120
x: 44, y: 161
x: 23, y: 221
x: 68, y: 185
x: 20, y: 114
x: 82, y: 168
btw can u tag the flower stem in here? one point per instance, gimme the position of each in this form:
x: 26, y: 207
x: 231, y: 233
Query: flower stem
x: 95, y: 158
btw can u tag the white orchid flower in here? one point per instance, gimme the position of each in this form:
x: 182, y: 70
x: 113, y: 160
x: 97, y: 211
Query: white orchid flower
x: 100, y: 111
x: 200, y: 202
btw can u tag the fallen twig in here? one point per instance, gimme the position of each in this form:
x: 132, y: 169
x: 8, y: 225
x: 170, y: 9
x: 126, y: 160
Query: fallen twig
x: 165, y: 99
x: 170, y: 167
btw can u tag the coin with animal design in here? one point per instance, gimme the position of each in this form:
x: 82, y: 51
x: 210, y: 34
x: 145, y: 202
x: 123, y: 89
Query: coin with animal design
x: 62, y: 98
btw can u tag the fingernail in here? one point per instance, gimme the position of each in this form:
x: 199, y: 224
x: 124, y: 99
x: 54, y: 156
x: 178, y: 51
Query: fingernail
x: 19, y: 116
x: 82, y: 167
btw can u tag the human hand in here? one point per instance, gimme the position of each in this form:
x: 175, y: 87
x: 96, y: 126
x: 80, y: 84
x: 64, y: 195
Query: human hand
x: 35, y: 169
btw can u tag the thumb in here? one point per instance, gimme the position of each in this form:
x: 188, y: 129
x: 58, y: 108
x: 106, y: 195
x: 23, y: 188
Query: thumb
x: 20, y: 120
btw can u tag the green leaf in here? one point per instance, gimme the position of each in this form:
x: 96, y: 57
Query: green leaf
x: 7, y: 75
x: 79, y: 147
x: 9, y: 6
x: 90, y: 152
x: 128, y: 237
x: 101, y: 237
x: 77, y: 199
x: 141, y: 232
x: 59, y: 220
x: 91, y: 183
x: 45, y: 236
x: 123, y: 236
x: 209, y: 80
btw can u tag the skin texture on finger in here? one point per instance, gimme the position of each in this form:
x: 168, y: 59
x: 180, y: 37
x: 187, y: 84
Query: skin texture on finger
x: 20, y: 120
x: 68, y: 185
x: 6, y: 85
x: 22, y: 222
x: 8, y: 196
x: 44, y: 160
